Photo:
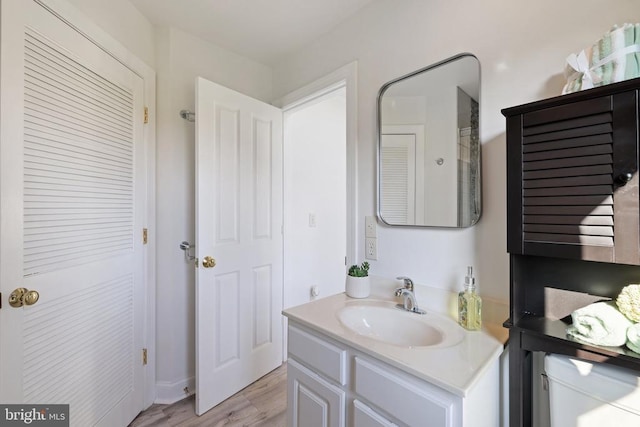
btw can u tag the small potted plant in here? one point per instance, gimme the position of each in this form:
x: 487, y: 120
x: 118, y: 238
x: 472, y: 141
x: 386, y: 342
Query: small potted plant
x: 357, y: 285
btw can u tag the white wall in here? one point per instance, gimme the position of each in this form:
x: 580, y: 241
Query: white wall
x: 315, y: 183
x: 180, y: 59
x: 441, y: 181
x: 522, y: 48
x: 124, y: 23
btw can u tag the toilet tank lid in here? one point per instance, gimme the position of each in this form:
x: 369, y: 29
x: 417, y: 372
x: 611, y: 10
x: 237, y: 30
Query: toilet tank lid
x: 614, y: 385
x: 560, y: 367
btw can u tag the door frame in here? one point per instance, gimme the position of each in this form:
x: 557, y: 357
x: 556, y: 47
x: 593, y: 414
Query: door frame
x: 346, y: 77
x: 81, y: 23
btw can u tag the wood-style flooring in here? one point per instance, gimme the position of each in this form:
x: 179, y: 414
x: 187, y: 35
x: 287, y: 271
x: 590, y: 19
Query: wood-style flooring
x: 263, y: 403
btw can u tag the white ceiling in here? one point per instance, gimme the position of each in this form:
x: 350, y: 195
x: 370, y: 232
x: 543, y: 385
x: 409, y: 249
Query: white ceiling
x: 263, y: 30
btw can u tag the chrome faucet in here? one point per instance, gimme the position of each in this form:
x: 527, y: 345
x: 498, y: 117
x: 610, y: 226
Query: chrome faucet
x: 408, y: 297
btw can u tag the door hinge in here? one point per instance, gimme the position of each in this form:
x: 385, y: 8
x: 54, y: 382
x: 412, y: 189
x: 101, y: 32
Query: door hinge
x: 144, y: 356
x: 146, y: 115
x: 145, y: 236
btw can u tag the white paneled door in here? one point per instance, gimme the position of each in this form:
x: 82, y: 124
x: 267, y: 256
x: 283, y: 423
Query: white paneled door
x: 72, y: 199
x: 238, y: 228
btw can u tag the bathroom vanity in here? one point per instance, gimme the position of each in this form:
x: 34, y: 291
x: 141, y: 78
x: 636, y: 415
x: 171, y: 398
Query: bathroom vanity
x: 573, y: 225
x: 403, y: 370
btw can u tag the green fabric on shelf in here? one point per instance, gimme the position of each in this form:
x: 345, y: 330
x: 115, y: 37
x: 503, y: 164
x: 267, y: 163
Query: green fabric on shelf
x: 614, y: 57
x: 633, y: 338
x: 605, y: 50
x: 600, y: 324
x: 631, y: 67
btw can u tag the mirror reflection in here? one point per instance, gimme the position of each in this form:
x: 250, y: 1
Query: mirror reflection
x: 429, y: 146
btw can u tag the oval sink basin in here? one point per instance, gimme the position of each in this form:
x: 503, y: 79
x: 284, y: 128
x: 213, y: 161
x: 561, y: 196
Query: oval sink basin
x: 385, y: 323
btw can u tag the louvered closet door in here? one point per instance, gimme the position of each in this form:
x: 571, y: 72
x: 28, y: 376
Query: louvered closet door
x: 397, y: 188
x: 576, y: 201
x: 72, y: 205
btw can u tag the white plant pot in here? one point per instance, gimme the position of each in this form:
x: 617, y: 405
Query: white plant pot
x: 357, y: 287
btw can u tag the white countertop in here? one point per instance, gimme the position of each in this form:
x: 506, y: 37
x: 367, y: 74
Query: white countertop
x: 455, y: 368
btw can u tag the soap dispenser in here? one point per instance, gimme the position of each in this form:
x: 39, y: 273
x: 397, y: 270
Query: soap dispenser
x: 470, y: 304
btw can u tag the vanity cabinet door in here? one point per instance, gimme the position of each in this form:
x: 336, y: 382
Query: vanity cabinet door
x: 311, y: 400
x: 572, y: 180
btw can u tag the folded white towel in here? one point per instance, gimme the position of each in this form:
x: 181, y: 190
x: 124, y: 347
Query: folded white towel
x: 601, y: 324
x: 633, y: 337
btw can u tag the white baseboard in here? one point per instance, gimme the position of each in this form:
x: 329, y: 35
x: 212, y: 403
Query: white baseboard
x: 171, y: 392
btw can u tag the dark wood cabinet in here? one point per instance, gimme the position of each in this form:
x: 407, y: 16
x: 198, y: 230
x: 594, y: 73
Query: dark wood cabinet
x: 572, y: 181
x: 573, y: 223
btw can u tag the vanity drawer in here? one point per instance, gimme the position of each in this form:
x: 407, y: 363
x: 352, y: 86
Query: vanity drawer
x: 411, y: 403
x: 318, y: 354
x: 363, y: 416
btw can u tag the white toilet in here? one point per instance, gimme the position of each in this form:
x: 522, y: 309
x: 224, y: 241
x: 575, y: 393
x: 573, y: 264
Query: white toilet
x: 584, y: 394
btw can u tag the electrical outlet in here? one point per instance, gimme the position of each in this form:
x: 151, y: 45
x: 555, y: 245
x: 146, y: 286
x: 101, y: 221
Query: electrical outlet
x: 370, y: 227
x: 371, y: 248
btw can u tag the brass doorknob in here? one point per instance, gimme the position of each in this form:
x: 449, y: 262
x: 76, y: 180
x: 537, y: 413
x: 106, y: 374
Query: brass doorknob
x: 208, y: 262
x: 23, y: 296
x: 31, y: 297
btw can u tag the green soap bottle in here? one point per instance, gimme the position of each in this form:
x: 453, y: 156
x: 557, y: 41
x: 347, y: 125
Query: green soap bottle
x: 470, y: 304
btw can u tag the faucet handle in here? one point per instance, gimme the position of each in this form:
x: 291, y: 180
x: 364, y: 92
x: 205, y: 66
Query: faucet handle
x: 408, y: 283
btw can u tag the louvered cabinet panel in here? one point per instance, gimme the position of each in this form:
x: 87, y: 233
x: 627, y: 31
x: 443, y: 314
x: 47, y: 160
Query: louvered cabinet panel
x: 572, y: 181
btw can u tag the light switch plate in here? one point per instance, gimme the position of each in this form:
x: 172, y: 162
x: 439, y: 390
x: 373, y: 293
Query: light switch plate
x: 370, y: 227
